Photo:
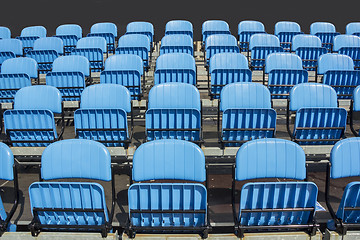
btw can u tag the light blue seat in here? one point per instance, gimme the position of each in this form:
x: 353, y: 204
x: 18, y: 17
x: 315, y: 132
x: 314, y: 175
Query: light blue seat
x: 93, y: 48
x: 348, y: 45
x: 31, y: 123
x: 261, y: 45
x: 354, y: 107
x: 45, y: 51
x: 285, y: 31
x: 175, y: 67
x: 246, y: 29
x: 106, y: 30
x: 227, y: 68
x: 70, y: 34
x: 246, y: 113
x: 284, y: 71
x: 219, y: 43
x: 174, y: 112
x: 102, y: 115
x: 309, y: 49
x: 177, y: 43
x: 273, y: 205
x: 318, y: 119
x: 211, y: 27
x: 67, y: 205
x: 21, y: 65
x: 326, y: 32
x: 5, y: 32
x: 338, y: 72
x: 68, y: 75
x: 353, y: 28
x: 126, y: 70
x: 138, y: 44
x: 144, y: 28
x: 174, y: 27
x: 10, y: 48
x: 28, y: 36
x: 182, y: 206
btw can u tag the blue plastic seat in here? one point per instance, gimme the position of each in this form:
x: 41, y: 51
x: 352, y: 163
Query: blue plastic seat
x: 348, y: 45
x: 182, y: 206
x: 219, y: 43
x: 144, y: 28
x: 338, y: 72
x: 318, y: 119
x: 179, y: 27
x: 284, y: 71
x: 246, y: 29
x: 353, y: 28
x: 227, y: 68
x: 309, y: 49
x: 211, y: 27
x: 246, y: 113
x: 354, y: 107
x: 138, y: 44
x: 106, y: 30
x: 70, y: 34
x: 5, y: 32
x: 67, y: 205
x: 285, y: 31
x: 28, y: 36
x: 10, y: 48
x: 68, y: 75
x: 177, y: 43
x: 174, y: 112
x: 126, y: 70
x: 261, y: 45
x: 102, y: 115
x: 93, y: 48
x: 175, y: 67
x: 31, y: 123
x: 273, y: 205
x: 45, y: 51
x: 326, y: 32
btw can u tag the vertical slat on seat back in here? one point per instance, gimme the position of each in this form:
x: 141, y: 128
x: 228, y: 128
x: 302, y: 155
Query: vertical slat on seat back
x: 20, y: 65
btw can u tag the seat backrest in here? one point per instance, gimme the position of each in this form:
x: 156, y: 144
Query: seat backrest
x: 169, y: 159
x: 69, y: 29
x: 49, y: 43
x: 250, y: 26
x: 174, y: 95
x: 6, y: 163
x: 76, y: 158
x: 20, y: 65
x: 305, y: 40
x: 92, y: 42
x: 33, y: 31
x: 244, y: 95
x: 176, y: 61
x: 322, y: 27
x: 179, y: 26
x: 38, y: 97
x: 177, y: 40
x: 134, y: 40
x: 104, y: 27
x: 72, y: 63
x: 108, y: 96
x: 280, y: 60
x: 214, y: 25
x: 312, y: 95
x: 220, y: 40
x: 353, y: 27
x: 124, y: 62
x: 138, y: 27
x: 356, y: 99
x: 343, y: 40
x: 263, y: 40
x: 270, y: 158
x: 228, y: 61
x: 286, y: 26
x: 5, y: 32
x: 11, y: 45
x: 334, y: 61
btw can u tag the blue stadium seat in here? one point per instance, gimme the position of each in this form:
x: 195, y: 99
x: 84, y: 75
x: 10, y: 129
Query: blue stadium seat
x: 5, y: 33
x: 218, y: 43
x: 344, y: 163
x: 68, y: 205
x: 211, y: 27
x: 285, y: 31
x: 102, y: 115
x: 338, y: 72
x: 106, y: 30
x: 126, y: 70
x: 246, y: 114
x: 182, y: 207
x: 174, y: 112
x: 68, y: 75
x: 348, y: 45
x: 273, y: 205
x: 28, y: 36
x: 175, y: 67
x: 177, y: 43
x: 246, y: 29
x: 144, y: 28
x: 45, y: 51
x: 261, y: 45
x: 353, y: 28
x: 10, y: 48
x: 309, y: 49
x: 284, y: 71
x: 318, y: 119
x: 354, y: 107
x: 93, y: 48
x: 227, y: 68
x: 179, y: 27
x: 70, y: 34
x: 8, y: 173
x: 137, y: 44
x: 326, y: 32
x: 31, y: 123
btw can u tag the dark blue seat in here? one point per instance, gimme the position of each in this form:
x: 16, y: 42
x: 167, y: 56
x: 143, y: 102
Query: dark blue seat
x: 285, y: 31
x: 70, y: 34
